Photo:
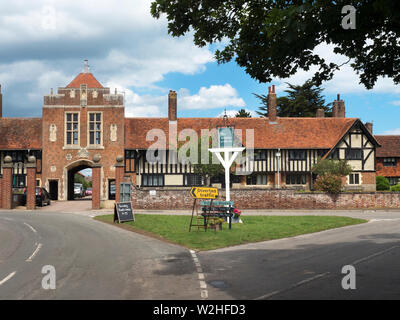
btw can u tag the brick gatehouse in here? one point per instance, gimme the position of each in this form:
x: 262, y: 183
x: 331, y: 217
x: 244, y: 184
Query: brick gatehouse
x: 83, y: 125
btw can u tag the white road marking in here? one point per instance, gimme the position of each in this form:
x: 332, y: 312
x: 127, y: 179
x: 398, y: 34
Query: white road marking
x: 373, y: 255
x: 200, y: 274
x: 268, y: 295
x: 30, y: 227
x: 34, y: 253
x: 7, y: 278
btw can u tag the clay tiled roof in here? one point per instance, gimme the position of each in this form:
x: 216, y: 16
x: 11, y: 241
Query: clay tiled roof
x: 85, y: 78
x: 390, y: 146
x: 286, y: 133
x: 20, y: 133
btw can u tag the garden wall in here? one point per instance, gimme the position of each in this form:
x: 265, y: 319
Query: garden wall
x: 161, y: 199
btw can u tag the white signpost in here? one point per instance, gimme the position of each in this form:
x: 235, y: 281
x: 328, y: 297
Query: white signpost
x: 225, y: 139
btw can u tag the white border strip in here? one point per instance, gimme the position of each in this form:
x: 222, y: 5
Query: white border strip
x: 12, y: 274
x: 34, y: 253
x: 200, y: 274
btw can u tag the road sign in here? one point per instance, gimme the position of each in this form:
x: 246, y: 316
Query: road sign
x: 123, y: 212
x: 204, y: 193
x: 225, y: 137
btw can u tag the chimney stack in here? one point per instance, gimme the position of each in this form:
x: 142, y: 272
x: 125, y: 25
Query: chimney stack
x: 368, y: 125
x: 1, y: 103
x: 338, y: 109
x: 172, y: 106
x: 320, y: 113
x: 271, y: 98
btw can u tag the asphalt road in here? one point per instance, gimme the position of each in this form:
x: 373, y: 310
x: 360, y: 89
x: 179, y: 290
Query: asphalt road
x: 310, y: 266
x: 94, y: 260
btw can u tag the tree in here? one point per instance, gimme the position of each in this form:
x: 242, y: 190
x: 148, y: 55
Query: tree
x: 206, y: 170
x: 301, y: 101
x: 276, y: 38
x: 330, y: 173
x: 79, y: 179
x: 382, y: 183
x: 337, y: 167
x: 242, y: 113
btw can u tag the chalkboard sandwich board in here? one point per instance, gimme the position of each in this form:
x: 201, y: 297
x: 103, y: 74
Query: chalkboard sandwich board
x: 123, y: 212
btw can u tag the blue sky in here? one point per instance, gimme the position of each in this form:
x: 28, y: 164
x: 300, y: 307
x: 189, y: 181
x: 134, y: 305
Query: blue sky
x: 44, y: 43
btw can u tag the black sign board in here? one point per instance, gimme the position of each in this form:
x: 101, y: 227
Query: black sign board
x: 123, y: 212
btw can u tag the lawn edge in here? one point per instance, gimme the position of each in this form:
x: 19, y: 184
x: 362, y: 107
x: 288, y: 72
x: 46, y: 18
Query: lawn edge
x: 158, y: 237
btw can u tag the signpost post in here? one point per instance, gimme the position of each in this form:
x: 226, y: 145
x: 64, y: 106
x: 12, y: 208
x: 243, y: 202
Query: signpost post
x: 226, y: 146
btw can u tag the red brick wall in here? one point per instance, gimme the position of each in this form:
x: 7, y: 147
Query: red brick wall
x: 381, y: 170
x: 96, y: 188
x: 269, y: 199
x: 55, y: 156
x: 31, y: 188
x: 6, y: 188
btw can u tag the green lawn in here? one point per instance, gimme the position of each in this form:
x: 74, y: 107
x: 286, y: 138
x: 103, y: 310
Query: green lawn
x: 254, y: 228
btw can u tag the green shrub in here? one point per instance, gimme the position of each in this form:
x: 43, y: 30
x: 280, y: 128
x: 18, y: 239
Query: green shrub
x: 382, y: 184
x: 395, y: 188
x: 329, y: 182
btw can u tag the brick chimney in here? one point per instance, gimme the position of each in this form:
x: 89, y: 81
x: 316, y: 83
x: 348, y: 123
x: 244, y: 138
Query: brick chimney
x: 1, y: 103
x: 320, y: 113
x: 338, y: 109
x: 271, y: 98
x: 368, y: 125
x: 172, y: 106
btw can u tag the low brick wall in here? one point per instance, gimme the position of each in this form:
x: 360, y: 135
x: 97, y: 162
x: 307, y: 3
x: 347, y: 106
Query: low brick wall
x: 160, y: 199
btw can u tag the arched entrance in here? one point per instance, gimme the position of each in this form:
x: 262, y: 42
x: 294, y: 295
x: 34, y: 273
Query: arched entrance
x: 72, y: 169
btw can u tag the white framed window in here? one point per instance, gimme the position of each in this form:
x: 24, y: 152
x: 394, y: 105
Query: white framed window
x: 354, y: 178
x: 95, y: 128
x: 72, y: 128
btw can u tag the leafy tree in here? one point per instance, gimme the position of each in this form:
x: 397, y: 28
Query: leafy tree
x: 382, y: 183
x: 242, y: 113
x: 330, y: 173
x: 79, y: 179
x: 329, y: 182
x: 301, y: 101
x: 200, y: 167
x: 276, y: 38
x: 337, y: 167
x: 395, y: 188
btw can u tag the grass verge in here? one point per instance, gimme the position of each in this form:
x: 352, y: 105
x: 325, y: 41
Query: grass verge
x: 175, y: 229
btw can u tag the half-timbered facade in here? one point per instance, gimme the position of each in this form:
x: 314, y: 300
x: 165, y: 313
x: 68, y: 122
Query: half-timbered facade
x: 84, y: 126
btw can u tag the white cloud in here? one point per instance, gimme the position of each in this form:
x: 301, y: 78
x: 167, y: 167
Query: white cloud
x: 216, y: 96
x: 392, y: 132
x: 344, y: 81
x: 45, y: 42
x: 395, y: 103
